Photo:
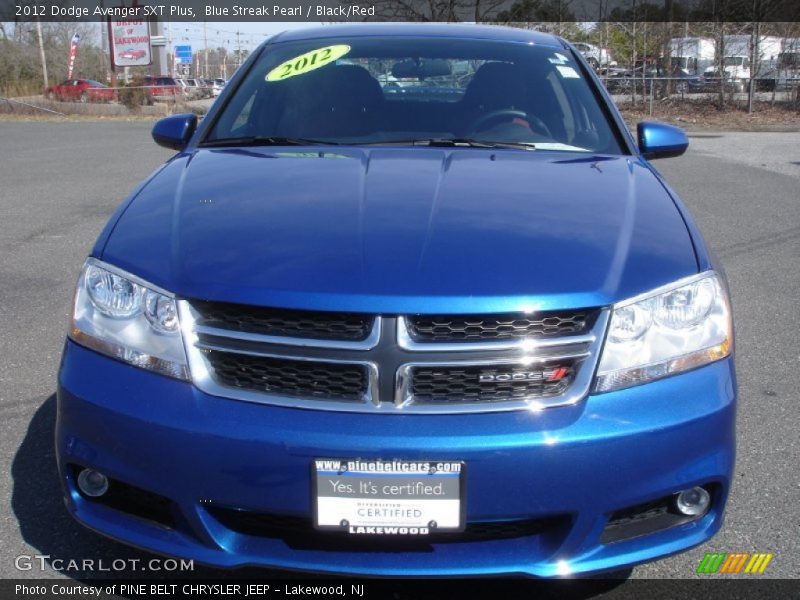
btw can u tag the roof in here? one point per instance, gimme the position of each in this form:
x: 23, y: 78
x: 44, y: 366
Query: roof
x: 440, y: 30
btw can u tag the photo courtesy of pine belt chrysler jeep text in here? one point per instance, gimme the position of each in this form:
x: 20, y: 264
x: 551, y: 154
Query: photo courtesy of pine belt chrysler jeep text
x: 409, y: 301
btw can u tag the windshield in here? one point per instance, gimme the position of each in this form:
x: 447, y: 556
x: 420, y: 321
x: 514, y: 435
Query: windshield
x: 789, y: 59
x: 370, y: 90
x: 682, y: 62
x: 735, y: 61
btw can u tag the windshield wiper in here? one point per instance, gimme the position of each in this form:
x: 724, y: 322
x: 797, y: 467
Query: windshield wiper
x: 263, y: 140
x: 452, y: 143
x: 473, y: 143
x: 259, y: 140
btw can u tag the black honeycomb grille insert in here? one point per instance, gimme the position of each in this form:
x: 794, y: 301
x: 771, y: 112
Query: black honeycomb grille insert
x: 298, y: 532
x: 288, y: 323
x: 490, y: 383
x: 304, y: 379
x: 648, y: 517
x: 477, y: 328
x: 133, y: 500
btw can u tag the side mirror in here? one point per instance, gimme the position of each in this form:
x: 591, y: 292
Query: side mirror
x: 657, y: 140
x: 174, y: 132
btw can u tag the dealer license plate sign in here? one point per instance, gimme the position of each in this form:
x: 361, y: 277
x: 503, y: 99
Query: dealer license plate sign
x: 388, y: 497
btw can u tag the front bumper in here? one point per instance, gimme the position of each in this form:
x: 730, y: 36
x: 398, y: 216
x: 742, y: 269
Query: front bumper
x: 582, y: 463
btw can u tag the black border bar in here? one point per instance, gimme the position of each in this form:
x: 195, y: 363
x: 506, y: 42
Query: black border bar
x: 232, y: 588
x: 492, y: 11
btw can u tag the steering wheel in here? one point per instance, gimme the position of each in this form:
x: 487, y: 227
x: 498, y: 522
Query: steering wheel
x: 509, y: 114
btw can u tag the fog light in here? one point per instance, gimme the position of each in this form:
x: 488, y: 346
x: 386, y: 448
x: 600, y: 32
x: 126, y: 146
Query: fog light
x: 92, y: 483
x: 693, y: 502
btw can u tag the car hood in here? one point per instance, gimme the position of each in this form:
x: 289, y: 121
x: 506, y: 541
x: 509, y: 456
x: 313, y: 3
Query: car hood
x: 397, y: 230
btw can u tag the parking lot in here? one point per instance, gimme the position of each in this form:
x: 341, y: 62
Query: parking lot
x: 61, y: 181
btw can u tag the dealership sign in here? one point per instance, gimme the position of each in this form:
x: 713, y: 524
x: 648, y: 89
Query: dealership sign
x: 129, y: 43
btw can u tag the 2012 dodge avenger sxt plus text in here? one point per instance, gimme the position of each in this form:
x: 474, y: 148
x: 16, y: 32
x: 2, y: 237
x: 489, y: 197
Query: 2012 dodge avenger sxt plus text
x: 410, y: 300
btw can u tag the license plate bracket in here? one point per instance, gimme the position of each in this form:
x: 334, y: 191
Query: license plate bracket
x: 388, y: 497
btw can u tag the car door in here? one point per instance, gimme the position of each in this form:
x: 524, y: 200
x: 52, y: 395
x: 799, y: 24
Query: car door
x: 74, y: 90
x: 83, y: 87
x: 65, y: 90
x: 58, y: 90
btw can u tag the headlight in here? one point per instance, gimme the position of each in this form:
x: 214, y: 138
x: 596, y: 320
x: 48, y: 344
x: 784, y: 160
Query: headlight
x: 673, y: 329
x: 121, y: 316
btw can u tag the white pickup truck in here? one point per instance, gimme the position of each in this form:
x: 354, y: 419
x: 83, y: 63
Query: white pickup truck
x: 597, y: 57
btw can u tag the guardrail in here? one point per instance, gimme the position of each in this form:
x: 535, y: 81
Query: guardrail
x: 161, y: 93
x: 149, y: 100
x: 11, y: 102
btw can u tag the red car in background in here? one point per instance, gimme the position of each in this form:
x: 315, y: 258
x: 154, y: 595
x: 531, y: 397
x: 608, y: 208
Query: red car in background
x: 80, y: 90
x: 161, y: 88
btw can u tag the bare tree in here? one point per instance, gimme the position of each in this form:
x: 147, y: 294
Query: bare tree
x: 486, y: 9
x: 719, y: 34
x: 552, y: 12
x: 665, y: 47
x: 414, y: 10
x: 549, y: 11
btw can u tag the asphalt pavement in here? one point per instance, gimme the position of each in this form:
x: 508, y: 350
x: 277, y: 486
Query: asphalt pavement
x: 62, y: 180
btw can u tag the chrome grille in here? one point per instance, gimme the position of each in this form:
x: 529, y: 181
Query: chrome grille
x: 390, y: 371
x: 299, y: 531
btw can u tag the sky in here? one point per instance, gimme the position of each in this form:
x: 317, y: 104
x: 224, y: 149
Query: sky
x: 251, y: 34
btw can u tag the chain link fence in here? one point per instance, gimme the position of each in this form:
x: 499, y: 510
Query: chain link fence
x: 651, y: 91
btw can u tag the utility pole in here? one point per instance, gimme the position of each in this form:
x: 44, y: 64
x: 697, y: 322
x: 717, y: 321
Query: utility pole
x: 104, y: 45
x: 170, y: 52
x: 41, y: 52
x: 205, y: 51
x: 105, y: 35
x: 238, y: 51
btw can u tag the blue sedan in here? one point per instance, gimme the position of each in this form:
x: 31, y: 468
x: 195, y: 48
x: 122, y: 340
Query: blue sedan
x: 456, y: 326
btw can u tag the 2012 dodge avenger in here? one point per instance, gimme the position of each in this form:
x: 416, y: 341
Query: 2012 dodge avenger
x: 410, y: 300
